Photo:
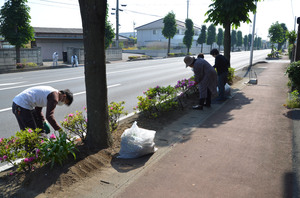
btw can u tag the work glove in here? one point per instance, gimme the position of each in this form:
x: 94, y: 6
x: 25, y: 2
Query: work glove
x: 46, y: 127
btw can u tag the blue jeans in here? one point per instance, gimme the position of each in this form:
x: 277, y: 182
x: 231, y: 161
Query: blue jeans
x: 222, y: 79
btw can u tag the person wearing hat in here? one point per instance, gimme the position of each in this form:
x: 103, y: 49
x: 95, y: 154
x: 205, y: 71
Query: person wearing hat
x: 205, y: 77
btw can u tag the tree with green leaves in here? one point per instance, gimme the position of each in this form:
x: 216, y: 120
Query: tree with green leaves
x: 220, y: 38
x: 249, y: 41
x: 280, y: 44
x: 228, y: 13
x: 246, y: 42
x: 291, y: 37
x: 259, y: 42
x: 15, y: 24
x: 93, y: 15
x: 188, y: 34
x: 233, y: 39
x: 109, y: 32
x: 276, y: 34
x: 202, y: 37
x: 211, y: 35
x: 169, y: 29
x: 239, y: 39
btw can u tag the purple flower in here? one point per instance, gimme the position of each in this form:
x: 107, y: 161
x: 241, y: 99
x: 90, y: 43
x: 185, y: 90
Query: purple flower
x: 4, y: 157
x: 11, y: 173
x: 1, y: 158
x: 37, y: 151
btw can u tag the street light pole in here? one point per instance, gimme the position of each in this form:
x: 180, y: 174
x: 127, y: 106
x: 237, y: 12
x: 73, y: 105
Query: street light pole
x: 253, y: 31
x: 117, y: 24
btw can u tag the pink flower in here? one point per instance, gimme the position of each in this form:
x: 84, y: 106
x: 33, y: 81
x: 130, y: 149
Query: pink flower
x: 29, y: 130
x: 4, y: 157
x: 71, y: 115
x: 1, y: 139
x: 52, y: 136
x: 111, y: 108
x: 37, y: 151
x: 11, y: 173
x: 42, y: 141
x: 26, y: 160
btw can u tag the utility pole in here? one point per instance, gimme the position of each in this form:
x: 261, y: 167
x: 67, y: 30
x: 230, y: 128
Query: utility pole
x: 117, y: 21
x: 253, y: 31
x: 117, y: 24
x: 187, y: 9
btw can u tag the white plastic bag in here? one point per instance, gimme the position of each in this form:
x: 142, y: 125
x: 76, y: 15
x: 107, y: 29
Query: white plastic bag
x: 136, y: 142
x: 227, y: 90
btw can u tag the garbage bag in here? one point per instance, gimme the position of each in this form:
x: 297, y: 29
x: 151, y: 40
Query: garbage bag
x: 136, y: 142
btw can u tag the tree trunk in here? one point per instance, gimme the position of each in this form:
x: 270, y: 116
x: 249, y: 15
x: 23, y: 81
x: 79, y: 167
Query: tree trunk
x: 18, y: 55
x: 227, y: 41
x: 93, y: 22
x: 169, y: 44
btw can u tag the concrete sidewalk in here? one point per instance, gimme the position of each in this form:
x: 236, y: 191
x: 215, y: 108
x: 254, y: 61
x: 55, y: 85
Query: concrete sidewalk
x: 240, y: 148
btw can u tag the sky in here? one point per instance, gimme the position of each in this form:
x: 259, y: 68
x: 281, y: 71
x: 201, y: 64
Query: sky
x: 66, y: 13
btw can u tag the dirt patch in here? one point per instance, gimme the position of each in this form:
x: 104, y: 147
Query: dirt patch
x: 88, y: 163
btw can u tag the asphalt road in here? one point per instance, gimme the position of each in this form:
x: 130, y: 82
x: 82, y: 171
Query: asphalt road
x: 125, y: 80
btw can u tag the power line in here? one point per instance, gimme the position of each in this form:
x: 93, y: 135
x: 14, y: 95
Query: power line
x: 142, y: 13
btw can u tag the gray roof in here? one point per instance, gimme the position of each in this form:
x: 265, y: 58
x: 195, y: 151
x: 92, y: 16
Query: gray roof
x: 58, y: 30
x: 158, y: 24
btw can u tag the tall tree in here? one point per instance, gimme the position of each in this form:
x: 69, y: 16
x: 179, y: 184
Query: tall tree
x: 239, y: 39
x: 202, y: 37
x: 188, y: 34
x: 280, y: 44
x: 276, y: 33
x: 228, y: 13
x: 246, y: 42
x: 211, y: 35
x: 233, y: 39
x: 15, y: 24
x: 169, y: 29
x: 93, y: 14
x: 249, y: 40
x: 109, y: 32
x: 220, y: 38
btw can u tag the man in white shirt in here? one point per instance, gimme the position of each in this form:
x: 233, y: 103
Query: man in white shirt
x: 27, y: 106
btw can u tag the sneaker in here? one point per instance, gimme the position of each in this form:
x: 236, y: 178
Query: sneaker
x: 198, y: 107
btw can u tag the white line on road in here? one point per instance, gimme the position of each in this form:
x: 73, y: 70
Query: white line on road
x: 5, y: 84
x: 34, y: 84
x: 83, y: 92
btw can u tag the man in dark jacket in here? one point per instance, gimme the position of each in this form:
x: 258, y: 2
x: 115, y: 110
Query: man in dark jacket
x: 221, y: 65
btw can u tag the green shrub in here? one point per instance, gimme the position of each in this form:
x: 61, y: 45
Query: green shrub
x: 293, y: 72
x: 157, y: 99
x: 230, y: 75
x: 293, y: 101
x: 30, y: 64
x: 56, y: 149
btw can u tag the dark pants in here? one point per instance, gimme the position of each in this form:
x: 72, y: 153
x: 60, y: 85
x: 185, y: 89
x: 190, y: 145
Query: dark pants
x: 222, y: 79
x: 27, y: 118
x: 207, y: 100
